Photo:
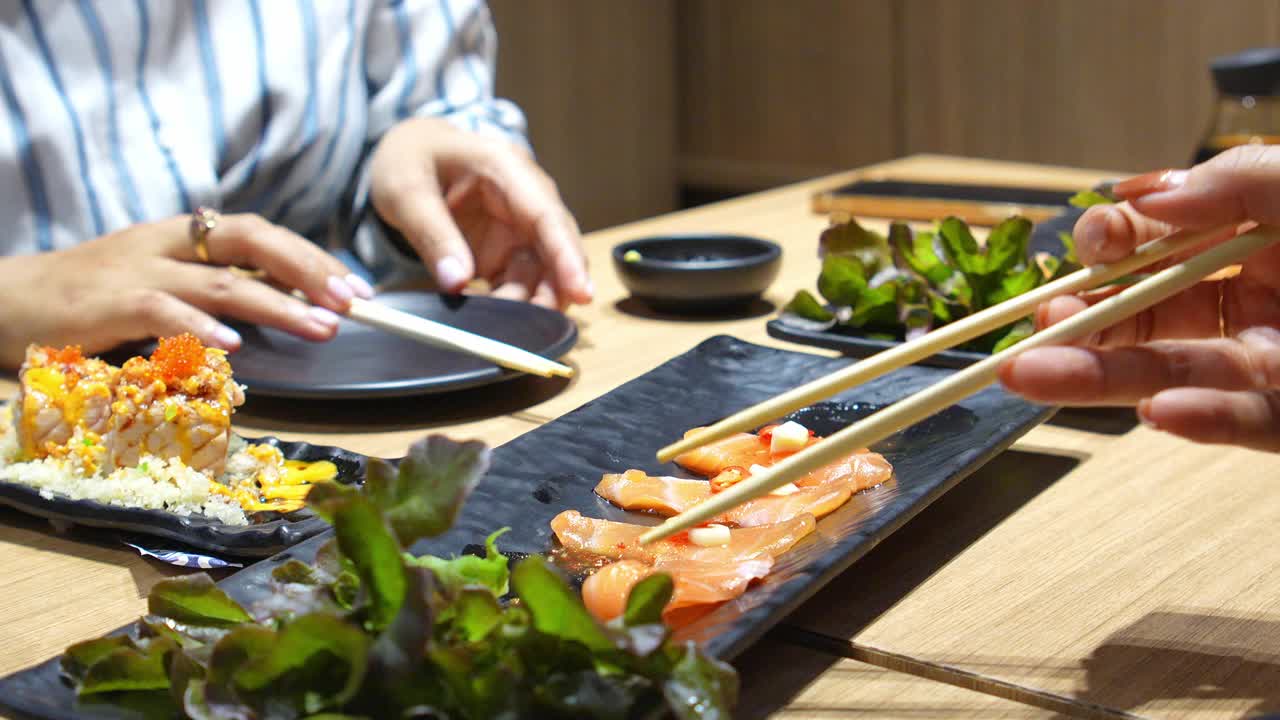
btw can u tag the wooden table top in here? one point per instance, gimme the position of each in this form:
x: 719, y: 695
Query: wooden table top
x: 1098, y: 567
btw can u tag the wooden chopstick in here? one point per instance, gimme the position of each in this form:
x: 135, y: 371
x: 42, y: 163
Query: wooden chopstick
x: 964, y: 383
x: 938, y: 340
x: 431, y: 332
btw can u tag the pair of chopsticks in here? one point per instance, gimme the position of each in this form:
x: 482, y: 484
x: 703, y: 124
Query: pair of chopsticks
x: 401, y: 323
x: 934, y: 399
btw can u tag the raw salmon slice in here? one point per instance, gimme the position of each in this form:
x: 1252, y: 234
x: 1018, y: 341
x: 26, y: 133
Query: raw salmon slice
x: 864, y: 468
x: 664, y: 495
x: 697, y: 584
x: 621, y: 541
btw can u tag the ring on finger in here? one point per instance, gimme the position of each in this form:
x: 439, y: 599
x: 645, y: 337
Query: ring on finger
x: 203, y: 222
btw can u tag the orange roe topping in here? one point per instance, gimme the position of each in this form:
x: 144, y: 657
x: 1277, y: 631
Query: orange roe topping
x: 178, y: 357
x: 69, y: 355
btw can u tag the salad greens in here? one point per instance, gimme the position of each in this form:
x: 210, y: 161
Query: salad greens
x: 901, y: 286
x: 368, y: 631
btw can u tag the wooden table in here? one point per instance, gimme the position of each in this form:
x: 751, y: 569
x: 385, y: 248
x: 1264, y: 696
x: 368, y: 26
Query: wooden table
x: 1097, y: 567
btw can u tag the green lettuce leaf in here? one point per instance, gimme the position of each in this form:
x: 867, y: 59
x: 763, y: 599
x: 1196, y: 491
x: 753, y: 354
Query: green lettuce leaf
x: 318, y: 660
x: 805, y: 305
x: 1089, y: 198
x: 195, y: 600
x: 128, y: 669
x: 489, y: 571
x: 368, y: 544
x: 648, y: 599
x: 701, y: 687
x: 1019, y: 332
x: 843, y: 280
x: 556, y: 609
x: 422, y: 498
x: 849, y: 239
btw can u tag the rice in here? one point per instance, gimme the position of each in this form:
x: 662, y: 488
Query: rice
x: 155, y: 483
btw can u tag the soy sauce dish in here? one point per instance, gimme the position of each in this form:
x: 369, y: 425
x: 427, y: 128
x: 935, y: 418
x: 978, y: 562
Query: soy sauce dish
x: 697, y: 272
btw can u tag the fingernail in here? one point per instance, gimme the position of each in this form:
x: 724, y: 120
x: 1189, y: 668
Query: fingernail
x: 339, y: 290
x: 323, y: 316
x: 225, y: 337
x: 1152, y: 182
x: 1263, y: 338
x: 589, y: 288
x: 1144, y: 413
x: 449, y: 274
x: 362, y: 289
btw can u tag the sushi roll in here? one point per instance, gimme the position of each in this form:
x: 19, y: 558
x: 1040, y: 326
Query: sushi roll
x: 63, y: 405
x: 175, y: 404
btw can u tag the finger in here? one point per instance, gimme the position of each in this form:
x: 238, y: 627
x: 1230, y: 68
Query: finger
x: 1238, y: 185
x: 1107, y: 233
x: 409, y: 200
x: 1123, y: 376
x: 1248, y: 419
x: 546, y: 296
x: 155, y: 313
x: 1192, y: 313
x: 519, y: 190
x: 521, y: 277
x: 226, y: 294
x: 248, y: 240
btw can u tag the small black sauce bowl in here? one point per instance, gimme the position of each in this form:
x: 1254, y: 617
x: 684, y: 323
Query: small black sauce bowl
x: 697, y: 272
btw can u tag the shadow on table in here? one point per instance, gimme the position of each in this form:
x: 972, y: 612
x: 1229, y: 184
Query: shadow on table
x: 1105, y: 420
x: 754, y: 309
x: 1232, y: 658
x: 929, y: 541
x: 403, y: 413
x: 896, y: 566
x: 95, y: 545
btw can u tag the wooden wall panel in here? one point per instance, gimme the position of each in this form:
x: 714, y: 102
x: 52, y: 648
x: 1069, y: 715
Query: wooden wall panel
x: 597, y: 83
x: 1091, y: 83
x: 776, y: 91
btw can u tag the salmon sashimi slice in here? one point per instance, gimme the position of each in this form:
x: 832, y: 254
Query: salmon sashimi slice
x: 738, y: 450
x: 665, y: 495
x: 696, y: 584
x: 743, y: 450
x: 861, y: 470
x: 621, y: 541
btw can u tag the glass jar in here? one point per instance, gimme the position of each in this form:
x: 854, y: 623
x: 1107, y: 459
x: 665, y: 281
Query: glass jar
x: 1247, y: 109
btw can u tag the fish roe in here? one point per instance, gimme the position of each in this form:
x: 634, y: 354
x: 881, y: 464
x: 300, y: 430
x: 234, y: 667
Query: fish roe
x: 69, y: 355
x: 177, y: 357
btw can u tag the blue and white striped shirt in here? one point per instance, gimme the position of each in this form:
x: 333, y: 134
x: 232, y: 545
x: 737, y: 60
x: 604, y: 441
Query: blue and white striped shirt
x: 120, y: 111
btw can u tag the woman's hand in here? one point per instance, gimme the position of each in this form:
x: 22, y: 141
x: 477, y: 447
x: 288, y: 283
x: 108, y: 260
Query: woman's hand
x: 145, y: 281
x: 1204, y: 364
x: 476, y: 207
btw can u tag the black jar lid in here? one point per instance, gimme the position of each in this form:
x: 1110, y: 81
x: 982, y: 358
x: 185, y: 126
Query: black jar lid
x: 1252, y: 72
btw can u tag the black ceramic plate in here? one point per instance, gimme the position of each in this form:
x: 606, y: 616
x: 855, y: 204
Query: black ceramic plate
x: 851, y: 341
x: 364, y: 362
x: 556, y: 466
x: 256, y: 540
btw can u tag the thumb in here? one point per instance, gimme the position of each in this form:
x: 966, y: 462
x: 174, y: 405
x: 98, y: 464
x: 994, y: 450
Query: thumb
x: 1241, y: 184
x: 411, y: 202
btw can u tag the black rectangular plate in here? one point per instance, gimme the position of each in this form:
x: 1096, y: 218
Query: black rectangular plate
x: 556, y: 467
x: 954, y: 191
x: 195, y: 532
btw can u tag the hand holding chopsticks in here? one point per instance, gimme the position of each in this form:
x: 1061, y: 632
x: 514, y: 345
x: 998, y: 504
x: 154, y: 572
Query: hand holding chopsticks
x: 966, y: 382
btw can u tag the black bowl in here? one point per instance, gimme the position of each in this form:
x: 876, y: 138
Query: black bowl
x: 697, y: 272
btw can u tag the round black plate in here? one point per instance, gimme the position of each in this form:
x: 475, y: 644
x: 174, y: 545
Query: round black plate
x: 364, y: 362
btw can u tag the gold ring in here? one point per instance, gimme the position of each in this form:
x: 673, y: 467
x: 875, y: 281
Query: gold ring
x: 203, y: 221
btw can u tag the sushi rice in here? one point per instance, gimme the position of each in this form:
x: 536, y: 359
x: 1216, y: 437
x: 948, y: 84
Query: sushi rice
x: 155, y: 483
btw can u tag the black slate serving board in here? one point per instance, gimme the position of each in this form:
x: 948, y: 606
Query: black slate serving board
x: 255, y: 540
x: 556, y: 466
